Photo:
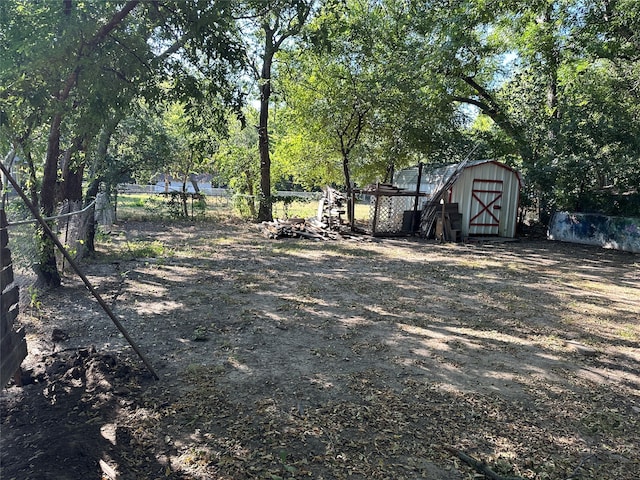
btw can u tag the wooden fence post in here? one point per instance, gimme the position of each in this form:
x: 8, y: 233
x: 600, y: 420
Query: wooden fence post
x: 13, y: 344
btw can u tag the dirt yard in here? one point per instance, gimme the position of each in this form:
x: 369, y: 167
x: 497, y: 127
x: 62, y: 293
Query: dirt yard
x: 368, y: 359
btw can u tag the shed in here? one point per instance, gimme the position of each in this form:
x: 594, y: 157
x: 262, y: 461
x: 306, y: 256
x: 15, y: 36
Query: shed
x: 486, y: 193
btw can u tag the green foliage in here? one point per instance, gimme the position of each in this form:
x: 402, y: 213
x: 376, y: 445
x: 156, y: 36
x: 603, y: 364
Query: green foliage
x: 357, y: 103
x: 143, y: 249
x: 71, y: 72
x: 549, y: 87
x: 236, y: 163
x: 200, y: 334
x: 174, y: 205
x: 175, y: 138
x: 35, y: 304
x: 141, y: 144
x: 304, y: 153
x: 555, y: 88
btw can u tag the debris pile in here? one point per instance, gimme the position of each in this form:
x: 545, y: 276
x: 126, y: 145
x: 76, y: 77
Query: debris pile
x: 332, y: 208
x: 328, y: 224
x: 299, y: 228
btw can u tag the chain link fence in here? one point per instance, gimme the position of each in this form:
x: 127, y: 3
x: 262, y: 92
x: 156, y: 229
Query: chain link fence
x: 72, y: 220
x: 70, y: 224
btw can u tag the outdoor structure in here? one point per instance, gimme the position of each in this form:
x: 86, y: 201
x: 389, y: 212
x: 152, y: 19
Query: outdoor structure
x: 487, y: 193
x: 392, y: 210
x: 474, y: 198
x: 164, y: 183
x: 618, y: 233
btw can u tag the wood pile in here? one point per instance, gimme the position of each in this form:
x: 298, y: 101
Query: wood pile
x: 331, y: 208
x: 328, y: 224
x: 443, y: 226
x: 298, y: 228
x: 388, y: 190
x: 311, y: 229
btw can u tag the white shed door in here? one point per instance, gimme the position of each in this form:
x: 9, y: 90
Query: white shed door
x: 486, y: 202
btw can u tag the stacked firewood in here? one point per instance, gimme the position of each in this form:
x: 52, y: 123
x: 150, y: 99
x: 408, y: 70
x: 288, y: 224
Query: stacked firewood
x: 298, y: 228
x: 312, y: 229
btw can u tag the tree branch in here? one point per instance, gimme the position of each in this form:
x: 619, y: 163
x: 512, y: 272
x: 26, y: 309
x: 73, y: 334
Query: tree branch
x: 174, y: 47
x: 493, y: 112
x: 479, y: 89
x: 113, y: 23
x: 477, y: 103
x: 480, y: 467
x: 98, y: 37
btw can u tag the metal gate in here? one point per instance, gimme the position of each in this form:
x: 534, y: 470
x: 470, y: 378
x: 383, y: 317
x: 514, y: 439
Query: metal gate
x: 486, y: 200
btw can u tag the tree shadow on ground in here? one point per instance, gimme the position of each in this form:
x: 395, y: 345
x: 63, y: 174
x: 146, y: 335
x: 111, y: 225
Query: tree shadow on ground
x: 63, y: 422
x: 342, y: 359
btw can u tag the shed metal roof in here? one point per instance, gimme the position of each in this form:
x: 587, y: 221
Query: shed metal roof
x: 435, y: 177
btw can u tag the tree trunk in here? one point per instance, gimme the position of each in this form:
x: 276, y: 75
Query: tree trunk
x: 50, y: 175
x: 33, y: 179
x: 73, y: 184
x: 251, y: 205
x: 347, y: 181
x: 349, y: 136
x: 90, y: 232
x: 47, y: 269
x: 70, y: 188
x: 551, y: 57
x: 278, y: 23
x: 95, y: 174
x: 265, y: 211
x: 194, y: 183
x: 346, y: 170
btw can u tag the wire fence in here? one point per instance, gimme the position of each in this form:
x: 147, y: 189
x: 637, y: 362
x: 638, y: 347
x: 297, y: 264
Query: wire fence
x: 72, y: 219
x: 69, y: 224
x: 153, y: 201
x: 23, y: 256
